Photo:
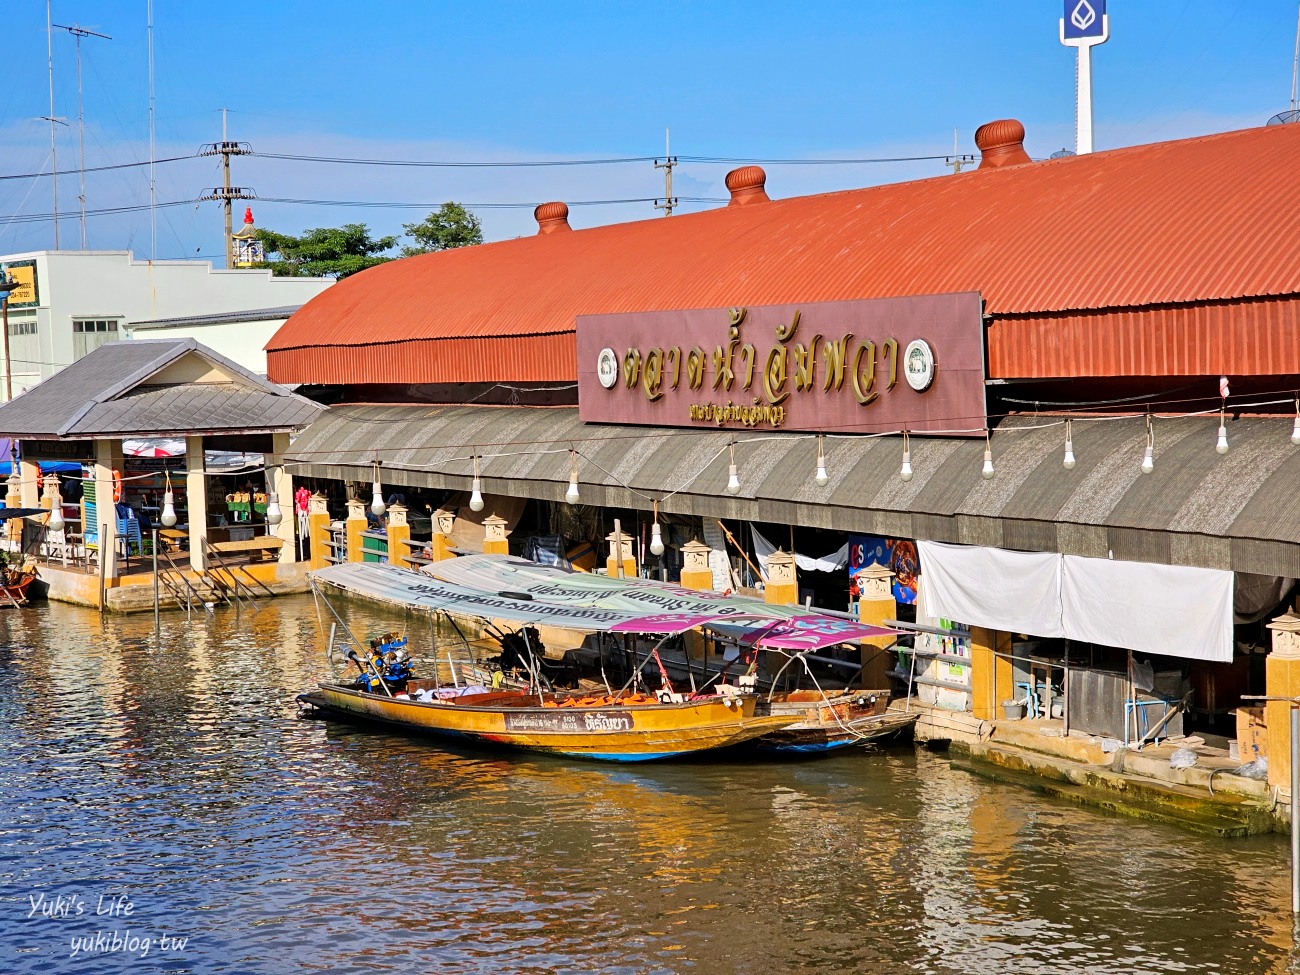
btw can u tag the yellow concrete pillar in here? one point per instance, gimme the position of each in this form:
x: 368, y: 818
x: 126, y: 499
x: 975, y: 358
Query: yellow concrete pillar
x: 620, y: 555
x: 279, y: 482
x: 318, y: 532
x: 108, y: 458
x: 29, y: 473
x: 444, y: 522
x: 494, y: 536
x: 875, y: 605
x: 1281, y: 679
x: 355, y: 524
x: 196, y: 502
x: 696, y: 573
x: 992, y: 680
x: 399, y: 536
x: 782, y: 587
x: 14, y: 499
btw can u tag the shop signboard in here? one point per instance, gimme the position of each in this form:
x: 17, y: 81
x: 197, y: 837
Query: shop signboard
x: 27, y: 294
x: 1084, y: 22
x: 864, y: 366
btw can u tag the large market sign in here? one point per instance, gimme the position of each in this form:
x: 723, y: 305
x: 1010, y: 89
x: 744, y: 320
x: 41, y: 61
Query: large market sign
x: 875, y: 365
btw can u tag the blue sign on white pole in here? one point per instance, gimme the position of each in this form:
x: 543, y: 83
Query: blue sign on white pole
x: 1083, y: 19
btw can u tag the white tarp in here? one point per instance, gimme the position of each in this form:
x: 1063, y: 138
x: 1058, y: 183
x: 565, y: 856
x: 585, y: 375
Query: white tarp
x: 1018, y: 592
x: 827, y: 563
x: 1174, y: 610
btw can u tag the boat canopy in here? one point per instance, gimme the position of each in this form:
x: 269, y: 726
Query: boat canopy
x: 504, y: 587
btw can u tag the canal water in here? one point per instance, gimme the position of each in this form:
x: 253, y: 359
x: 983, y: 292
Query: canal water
x: 171, y: 792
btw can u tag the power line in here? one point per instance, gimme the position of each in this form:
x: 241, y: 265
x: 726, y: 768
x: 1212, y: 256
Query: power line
x: 96, y: 169
x: 479, y: 206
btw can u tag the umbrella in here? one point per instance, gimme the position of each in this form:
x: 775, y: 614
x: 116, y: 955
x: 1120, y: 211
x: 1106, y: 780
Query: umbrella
x: 7, y: 513
x: 154, y: 448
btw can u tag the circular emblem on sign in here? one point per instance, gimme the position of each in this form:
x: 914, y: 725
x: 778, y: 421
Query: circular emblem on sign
x: 918, y: 365
x: 607, y: 368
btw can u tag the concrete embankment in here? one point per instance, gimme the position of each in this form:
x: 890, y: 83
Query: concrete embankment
x: 1208, y: 797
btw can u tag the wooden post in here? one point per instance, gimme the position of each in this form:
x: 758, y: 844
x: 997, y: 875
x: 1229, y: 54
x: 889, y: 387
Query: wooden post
x: 992, y: 679
x: 196, y: 502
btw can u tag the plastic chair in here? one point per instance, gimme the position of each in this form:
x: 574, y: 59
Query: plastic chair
x: 128, y: 534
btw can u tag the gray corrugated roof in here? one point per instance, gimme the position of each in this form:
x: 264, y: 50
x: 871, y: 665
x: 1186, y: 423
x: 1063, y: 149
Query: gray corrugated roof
x: 1237, y: 511
x: 221, y: 318
x: 106, y: 393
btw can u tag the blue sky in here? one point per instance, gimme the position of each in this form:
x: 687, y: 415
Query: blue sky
x: 566, y: 80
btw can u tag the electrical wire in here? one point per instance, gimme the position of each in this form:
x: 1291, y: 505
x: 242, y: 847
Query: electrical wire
x: 97, y: 169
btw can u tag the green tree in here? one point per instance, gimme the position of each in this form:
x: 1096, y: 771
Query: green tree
x: 451, y: 225
x: 329, y: 252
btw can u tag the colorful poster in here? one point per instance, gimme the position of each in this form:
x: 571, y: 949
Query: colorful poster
x: 897, y: 554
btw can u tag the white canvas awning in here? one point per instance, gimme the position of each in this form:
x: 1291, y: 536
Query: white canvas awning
x: 1173, y: 610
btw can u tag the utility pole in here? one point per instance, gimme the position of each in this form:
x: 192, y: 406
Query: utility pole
x: 51, y: 118
x: 225, y: 192
x: 77, y: 31
x: 667, y: 165
x: 7, y: 287
x: 957, y: 161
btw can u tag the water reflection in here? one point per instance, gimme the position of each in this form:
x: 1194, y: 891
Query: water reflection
x: 181, y: 775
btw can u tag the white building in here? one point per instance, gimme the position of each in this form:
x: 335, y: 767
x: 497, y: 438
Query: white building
x: 240, y: 336
x: 71, y: 302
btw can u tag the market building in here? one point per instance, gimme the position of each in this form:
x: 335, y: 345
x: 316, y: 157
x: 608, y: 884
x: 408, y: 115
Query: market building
x: 1072, y: 383
x: 69, y: 303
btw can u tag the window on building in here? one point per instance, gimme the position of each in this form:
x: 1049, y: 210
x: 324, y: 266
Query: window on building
x: 24, y: 346
x: 88, y: 334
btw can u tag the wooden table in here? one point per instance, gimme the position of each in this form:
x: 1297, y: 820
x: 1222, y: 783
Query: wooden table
x: 262, y: 548
x: 173, y: 538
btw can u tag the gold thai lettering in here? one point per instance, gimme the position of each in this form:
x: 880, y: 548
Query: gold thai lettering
x: 784, y: 333
x: 805, y: 364
x: 836, y: 354
x: 889, y: 348
x: 865, y: 379
x: 723, y: 376
x: 652, y: 374
x: 695, y: 368
x: 674, y: 356
x: 744, y: 414
x: 631, y: 368
x: 734, y: 317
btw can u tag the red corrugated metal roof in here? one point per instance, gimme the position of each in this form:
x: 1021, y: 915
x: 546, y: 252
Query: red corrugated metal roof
x: 1203, y: 219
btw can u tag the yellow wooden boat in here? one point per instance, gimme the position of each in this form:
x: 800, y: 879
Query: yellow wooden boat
x: 619, y: 727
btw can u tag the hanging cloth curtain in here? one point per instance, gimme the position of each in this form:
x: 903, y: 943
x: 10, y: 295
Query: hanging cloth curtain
x: 827, y: 563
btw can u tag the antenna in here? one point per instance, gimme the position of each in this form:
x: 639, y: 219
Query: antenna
x: 153, y: 212
x: 667, y: 165
x: 52, y: 118
x: 77, y: 31
x: 1293, y: 113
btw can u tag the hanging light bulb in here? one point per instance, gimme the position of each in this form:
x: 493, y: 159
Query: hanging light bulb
x: 733, y: 478
x: 1221, y: 445
x: 56, y: 522
x: 377, y: 506
x: 1149, y: 456
x: 656, y: 536
x: 822, y: 478
x: 1068, y: 462
x: 986, y: 471
x: 571, y: 495
x: 476, y: 489
x: 1295, y: 429
x: 905, y: 472
x: 168, y: 517
x: 273, y: 513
